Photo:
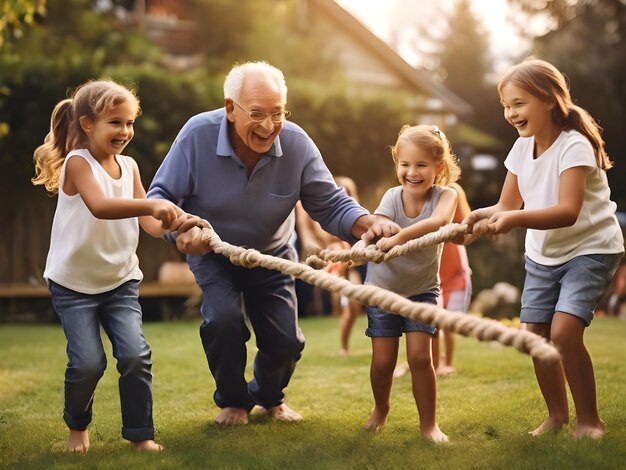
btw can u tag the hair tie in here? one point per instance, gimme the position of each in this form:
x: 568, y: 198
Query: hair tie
x: 436, y: 131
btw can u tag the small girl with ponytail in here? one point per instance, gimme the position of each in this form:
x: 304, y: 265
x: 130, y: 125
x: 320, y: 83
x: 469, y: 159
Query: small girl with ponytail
x: 92, y: 269
x: 556, y: 187
x: 422, y: 203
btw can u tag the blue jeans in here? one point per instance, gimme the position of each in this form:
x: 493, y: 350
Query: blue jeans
x: 270, y: 304
x: 119, y: 313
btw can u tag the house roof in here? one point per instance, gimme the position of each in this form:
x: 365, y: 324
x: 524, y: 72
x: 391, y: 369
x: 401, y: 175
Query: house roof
x: 418, y: 78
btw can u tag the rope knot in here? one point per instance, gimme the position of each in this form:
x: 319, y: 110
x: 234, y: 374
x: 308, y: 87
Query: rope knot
x: 250, y: 258
x: 315, y: 262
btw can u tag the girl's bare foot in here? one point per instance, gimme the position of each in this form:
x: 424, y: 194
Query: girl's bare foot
x: 434, y: 434
x: 377, y: 419
x: 343, y: 352
x: 401, y: 370
x: 445, y: 370
x: 148, y: 445
x: 593, y: 432
x: 78, y: 441
x: 230, y: 415
x: 550, y: 424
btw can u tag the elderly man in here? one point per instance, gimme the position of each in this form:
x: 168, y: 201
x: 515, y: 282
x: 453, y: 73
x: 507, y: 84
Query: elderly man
x: 243, y: 168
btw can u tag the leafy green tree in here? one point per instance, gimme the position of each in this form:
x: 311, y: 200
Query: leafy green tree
x: 16, y: 15
x: 464, y: 54
x: 35, y: 76
x: 467, y: 69
x: 298, y: 46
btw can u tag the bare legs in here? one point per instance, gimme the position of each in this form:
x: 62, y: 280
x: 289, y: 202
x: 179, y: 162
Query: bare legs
x: 349, y: 314
x: 424, y: 383
x: 446, y: 368
x: 566, y: 333
x: 384, y: 356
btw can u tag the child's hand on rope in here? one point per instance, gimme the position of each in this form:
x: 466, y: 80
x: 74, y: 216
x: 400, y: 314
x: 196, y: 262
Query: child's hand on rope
x: 186, y: 222
x: 484, y: 228
x: 387, y: 243
x: 379, y: 227
x: 473, y: 232
x: 478, y: 225
x: 474, y: 217
x: 503, y: 222
x: 165, y: 211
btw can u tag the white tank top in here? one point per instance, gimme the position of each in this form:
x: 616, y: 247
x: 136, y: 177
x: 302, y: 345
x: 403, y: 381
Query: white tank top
x: 87, y: 254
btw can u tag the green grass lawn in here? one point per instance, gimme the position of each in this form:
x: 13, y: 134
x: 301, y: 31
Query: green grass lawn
x: 486, y: 408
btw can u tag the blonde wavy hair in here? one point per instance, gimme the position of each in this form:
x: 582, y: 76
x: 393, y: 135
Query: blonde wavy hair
x: 91, y: 99
x: 433, y: 141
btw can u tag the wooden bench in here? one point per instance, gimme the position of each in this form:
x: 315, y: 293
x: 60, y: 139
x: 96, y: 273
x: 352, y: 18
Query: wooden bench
x: 16, y: 294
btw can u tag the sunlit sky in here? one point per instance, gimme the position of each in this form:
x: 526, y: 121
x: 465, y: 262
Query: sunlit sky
x: 395, y: 22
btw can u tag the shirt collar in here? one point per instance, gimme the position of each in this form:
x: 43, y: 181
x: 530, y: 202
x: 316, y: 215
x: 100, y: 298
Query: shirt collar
x: 225, y: 149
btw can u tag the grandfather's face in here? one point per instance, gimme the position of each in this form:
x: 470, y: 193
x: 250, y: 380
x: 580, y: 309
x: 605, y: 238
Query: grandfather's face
x: 258, y: 94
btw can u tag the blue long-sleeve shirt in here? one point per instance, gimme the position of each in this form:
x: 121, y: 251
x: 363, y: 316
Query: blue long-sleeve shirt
x: 202, y: 174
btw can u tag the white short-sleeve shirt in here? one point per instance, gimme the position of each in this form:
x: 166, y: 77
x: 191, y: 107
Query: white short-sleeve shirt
x: 596, y: 230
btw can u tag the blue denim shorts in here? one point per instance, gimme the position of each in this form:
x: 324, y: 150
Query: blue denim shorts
x: 383, y: 324
x: 574, y: 287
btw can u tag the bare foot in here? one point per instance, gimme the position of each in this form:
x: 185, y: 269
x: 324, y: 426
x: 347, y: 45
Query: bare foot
x: 593, y: 432
x: 343, y: 352
x: 445, y: 370
x: 148, y: 445
x: 401, y: 370
x: 78, y: 441
x: 230, y: 416
x: 434, y: 434
x: 283, y: 413
x: 550, y: 424
x: 377, y: 419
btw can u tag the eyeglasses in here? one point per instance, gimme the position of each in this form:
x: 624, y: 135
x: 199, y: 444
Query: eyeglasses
x: 258, y: 116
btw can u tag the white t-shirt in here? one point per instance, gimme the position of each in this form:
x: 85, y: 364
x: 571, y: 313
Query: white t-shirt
x: 87, y: 254
x: 596, y: 230
x: 413, y: 273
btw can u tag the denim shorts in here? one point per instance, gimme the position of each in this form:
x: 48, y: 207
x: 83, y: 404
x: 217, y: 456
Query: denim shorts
x: 574, y: 287
x: 383, y: 324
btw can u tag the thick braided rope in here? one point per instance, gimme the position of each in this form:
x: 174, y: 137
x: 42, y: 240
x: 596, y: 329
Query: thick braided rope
x: 361, y: 254
x: 466, y: 325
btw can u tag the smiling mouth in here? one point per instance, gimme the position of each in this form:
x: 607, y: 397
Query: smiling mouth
x: 413, y: 181
x: 119, y: 141
x: 261, y: 136
x: 519, y: 124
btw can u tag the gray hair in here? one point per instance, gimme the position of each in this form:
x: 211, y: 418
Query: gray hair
x: 235, y: 78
